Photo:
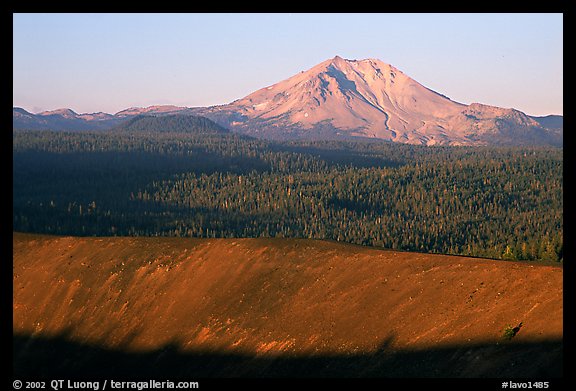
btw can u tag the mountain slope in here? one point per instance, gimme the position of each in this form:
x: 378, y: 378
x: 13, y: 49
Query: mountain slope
x: 22, y: 119
x: 171, y: 123
x: 152, y: 110
x: 343, y: 99
x: 553, y: 122
x: 369, y: 98
x: 289, y: 297
x: 366, y: 98
x: 61, y: 119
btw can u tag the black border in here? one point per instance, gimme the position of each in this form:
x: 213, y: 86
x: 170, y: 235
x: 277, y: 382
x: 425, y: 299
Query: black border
x: 489, y: 6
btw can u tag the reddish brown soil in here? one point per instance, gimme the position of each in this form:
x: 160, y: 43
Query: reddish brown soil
x: 265, y: 297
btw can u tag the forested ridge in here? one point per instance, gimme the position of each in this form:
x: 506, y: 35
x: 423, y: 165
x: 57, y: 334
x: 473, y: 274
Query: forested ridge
x: 503, y: 203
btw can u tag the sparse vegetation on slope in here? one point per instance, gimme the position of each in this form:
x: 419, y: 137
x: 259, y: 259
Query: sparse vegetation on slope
x: 312, y: 305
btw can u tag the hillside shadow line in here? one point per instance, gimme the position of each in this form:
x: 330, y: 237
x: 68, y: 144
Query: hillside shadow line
x: 47, y: 357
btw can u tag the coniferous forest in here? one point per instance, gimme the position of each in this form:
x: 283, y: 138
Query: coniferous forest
x: 191, y: 178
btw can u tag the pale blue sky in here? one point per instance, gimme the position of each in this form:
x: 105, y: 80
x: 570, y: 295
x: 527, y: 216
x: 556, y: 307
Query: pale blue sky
x: 109, y: 62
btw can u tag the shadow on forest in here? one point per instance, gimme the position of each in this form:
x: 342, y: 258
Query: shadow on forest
x: 59, y: 356
x: 342, y: 156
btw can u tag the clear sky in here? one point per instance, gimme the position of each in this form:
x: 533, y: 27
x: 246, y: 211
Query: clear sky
x: 109, y: 62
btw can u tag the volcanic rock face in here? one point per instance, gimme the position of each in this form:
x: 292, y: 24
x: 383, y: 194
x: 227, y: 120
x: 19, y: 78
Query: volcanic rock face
x: 369, y: 98
x: 365, y: 98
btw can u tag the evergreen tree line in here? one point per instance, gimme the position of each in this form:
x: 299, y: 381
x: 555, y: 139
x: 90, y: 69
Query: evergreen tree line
x: 503, y: 203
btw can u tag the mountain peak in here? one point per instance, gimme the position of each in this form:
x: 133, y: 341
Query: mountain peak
x: 338, y: 60
x: 341, y: 99
x: 66, y: 113
x: 341, y: 61
x: 347, y: 98
x: 365, y: 98
x: 20, y: 110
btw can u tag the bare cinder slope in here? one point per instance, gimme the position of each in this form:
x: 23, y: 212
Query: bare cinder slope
x: 269, y: 297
